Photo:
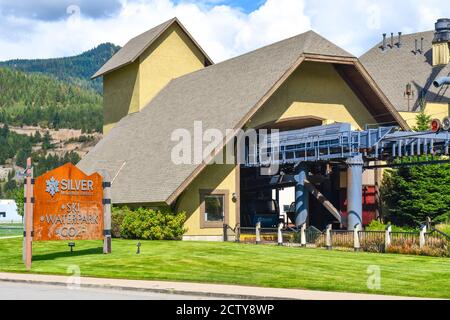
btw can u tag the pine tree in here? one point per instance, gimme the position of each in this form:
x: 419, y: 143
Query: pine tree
x: 423, y: 122
x: 4, y: 132
x: 412, y: 194
x: 37, y: 137
x: 46, y: 141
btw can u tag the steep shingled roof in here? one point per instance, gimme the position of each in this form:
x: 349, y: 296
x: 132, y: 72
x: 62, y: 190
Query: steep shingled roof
x: 394, y: 68
x: 137, y: 152
x: 136, y: 47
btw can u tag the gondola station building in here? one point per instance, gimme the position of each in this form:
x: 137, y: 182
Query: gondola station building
x: 162, y: 82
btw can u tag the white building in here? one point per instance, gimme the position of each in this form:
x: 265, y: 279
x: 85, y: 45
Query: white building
x: 8, y: 212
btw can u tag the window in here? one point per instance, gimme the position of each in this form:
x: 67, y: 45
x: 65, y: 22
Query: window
x: 213, y: 208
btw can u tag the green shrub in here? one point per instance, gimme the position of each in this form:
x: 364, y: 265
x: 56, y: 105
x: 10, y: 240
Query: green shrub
x: 117, y: 216
x: 445, y: 228
x: 149, y: 224
x: 376, y: 225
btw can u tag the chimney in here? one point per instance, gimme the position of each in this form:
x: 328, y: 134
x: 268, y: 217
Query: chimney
x: 399, y: 44
x: 441, y: 42
x: 392, y: 40
x: 421, y: 45
x: 384, y: 42
x: 416, y: 50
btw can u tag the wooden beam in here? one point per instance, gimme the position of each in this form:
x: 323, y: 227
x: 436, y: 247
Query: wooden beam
x: 329, y: 59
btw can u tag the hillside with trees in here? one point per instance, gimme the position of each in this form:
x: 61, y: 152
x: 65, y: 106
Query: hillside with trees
x: 39, y: 100
x: 50, y: 111
x: 75, y: 70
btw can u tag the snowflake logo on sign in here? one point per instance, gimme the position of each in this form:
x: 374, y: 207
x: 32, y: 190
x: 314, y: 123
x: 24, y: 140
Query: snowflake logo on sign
x: 52, y: 186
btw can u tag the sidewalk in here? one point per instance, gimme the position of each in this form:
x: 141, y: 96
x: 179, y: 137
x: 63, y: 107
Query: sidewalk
x: 211, y: 290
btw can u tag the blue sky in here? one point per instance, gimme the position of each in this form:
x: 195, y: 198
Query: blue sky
x: 247, y: 6
x: 224, y: 28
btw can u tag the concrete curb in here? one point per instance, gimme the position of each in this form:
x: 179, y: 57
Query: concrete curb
x: 197, y: 289
x: 134, y: 289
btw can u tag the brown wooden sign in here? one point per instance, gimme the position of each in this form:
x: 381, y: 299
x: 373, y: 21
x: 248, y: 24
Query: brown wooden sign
x: 68, y: 205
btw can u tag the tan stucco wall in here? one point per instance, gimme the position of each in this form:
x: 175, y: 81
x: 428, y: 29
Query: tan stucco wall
x: 131, y: 88
x: 214, y: 177
x: 435, y: 110
x: 315, y: 89
x: 120, y: 95
x: 170, y: 57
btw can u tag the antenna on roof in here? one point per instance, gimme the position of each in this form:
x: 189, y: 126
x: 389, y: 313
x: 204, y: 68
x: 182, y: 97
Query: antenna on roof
x: 408, y: 94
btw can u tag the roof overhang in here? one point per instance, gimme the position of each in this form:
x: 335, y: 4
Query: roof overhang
x: 136, y: 56
x: 353, y: 73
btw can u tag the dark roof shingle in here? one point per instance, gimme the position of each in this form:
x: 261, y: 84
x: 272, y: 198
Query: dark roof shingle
x: 394, y: 68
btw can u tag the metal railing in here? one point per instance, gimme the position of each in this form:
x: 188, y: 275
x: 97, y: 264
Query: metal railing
x: 372, y: 241
x: 339, y: 141
x: 266, y: 235
x: 439, y: 232
x: 228, y: 232
x: 434, y: 242
x: 401, y: 238
x: 342, y: 238
x: 314, y: 235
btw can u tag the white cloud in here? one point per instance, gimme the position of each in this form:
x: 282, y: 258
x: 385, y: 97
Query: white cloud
x: 223, y: 31
x: 275, y: 20
x: 357, y: 25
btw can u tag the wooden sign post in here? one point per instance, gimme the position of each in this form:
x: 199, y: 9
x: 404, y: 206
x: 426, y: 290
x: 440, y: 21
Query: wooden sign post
x: 106, y: 211
x: 28, y: 214
x: 68, y: 205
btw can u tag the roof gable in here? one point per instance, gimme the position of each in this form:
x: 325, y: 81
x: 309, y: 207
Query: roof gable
x: 223, y: 96
x: 137, y: 46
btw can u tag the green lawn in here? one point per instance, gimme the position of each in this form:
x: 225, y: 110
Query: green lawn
x: 8, y: 230
x: 230, y: 263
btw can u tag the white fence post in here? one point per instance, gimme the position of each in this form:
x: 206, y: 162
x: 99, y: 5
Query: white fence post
x: 280, y: 234
x: 356, y: 242
x: 303, y: 235
x: 422, y: 240
x: 387, y: 238
x: 328, y: 237
x: 429, y: 222
x: 258, y: 233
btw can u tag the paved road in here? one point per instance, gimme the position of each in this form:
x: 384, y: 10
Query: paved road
x: 24, y: 291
